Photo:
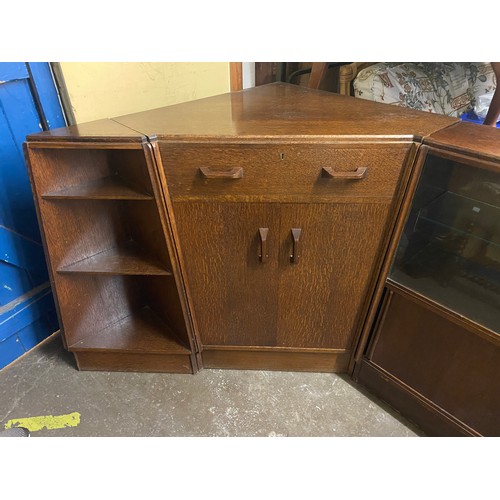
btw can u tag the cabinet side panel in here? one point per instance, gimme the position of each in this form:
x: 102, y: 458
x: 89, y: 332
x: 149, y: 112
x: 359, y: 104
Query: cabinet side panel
x: 177, y: 293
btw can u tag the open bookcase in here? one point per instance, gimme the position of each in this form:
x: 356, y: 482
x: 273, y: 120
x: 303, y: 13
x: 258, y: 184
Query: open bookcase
x: 113, y: 266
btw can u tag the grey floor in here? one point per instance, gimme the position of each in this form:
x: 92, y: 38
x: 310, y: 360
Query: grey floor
x: 213, y: 403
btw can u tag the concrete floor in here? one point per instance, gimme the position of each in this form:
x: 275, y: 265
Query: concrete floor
x: 45, y: 381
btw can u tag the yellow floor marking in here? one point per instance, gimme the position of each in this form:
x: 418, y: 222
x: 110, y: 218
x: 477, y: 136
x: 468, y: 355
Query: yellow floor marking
x: 34, y: 424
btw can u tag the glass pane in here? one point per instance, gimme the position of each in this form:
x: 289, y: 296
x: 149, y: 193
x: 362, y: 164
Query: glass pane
x: 450, y: 247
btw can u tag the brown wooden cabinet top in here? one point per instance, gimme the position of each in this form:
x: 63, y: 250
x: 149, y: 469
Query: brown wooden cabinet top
x: 100, y: 131
x: 274, y: 111
x: 463, y: 137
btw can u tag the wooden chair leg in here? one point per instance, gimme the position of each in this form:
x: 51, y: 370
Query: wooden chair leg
x: 347, y: 73
x: 494, y: 109
x: 318, y: 72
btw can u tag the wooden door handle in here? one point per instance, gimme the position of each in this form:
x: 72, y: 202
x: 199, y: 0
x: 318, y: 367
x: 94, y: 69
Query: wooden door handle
x: 263, y: 255
x: 232, y: 173
x: 294, y: 258
x: 359, y: 173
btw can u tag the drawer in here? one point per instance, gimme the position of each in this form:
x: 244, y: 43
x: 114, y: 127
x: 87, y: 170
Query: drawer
x: 297, y: 172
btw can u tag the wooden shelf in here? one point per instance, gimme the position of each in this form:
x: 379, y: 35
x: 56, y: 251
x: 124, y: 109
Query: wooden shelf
x: 107, y: 188
x: 141, y: 332
x: 126, y: 260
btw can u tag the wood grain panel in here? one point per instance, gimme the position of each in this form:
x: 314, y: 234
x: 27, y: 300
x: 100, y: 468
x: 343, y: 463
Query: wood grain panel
x: 131, y: 166
x: 272, y: 172
x: 76, y: 231
x: 235, y: 76
x: 81, y: 230
x: 281, y: 110
x: 170, y: 298
x: 57, y: 169
x: 447, y: 364
x: 162, y: 296
x: 147, y: 231
x: 91, y: 303
x: 128, y: 259
x: 469, y: 138
x: 106, y: 188
x: 103, y: 131
x: 233, y: 293
x: 276, y: 360
x: 72, y: 173
x: 419, y: 410
x: 142, y: 331
x: 322, y: 296
x: 133, y: 362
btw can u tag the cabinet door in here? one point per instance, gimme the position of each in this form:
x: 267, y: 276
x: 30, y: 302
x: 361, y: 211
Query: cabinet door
x: 233, y: 290
x: 322, y: 294
x: 438, y: 373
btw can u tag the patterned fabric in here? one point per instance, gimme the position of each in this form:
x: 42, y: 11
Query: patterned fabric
x: 444, y: 88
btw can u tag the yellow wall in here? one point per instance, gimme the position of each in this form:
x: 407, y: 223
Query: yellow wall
x: 104, y: 90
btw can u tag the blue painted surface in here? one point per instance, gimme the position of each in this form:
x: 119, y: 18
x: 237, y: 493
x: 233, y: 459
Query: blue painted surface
x: 35, y: 332
x: 27, y: 312
x: 10, y: 349
x: 24, y: 310
x: 470, y: 116
x: 47, y: 92
x: 14, y: 282
x: 13, y: 71
x: 22, y: 252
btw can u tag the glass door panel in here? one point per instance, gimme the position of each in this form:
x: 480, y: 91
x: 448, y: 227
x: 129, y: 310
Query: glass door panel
x: 450, y: 247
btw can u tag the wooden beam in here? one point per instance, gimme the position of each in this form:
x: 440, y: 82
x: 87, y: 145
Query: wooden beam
x: 235, y: 76
x: 318, y: 72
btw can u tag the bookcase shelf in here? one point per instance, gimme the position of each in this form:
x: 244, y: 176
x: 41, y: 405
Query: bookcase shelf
x: 128, y: 259
x: 107, y: 188
x: 143, y: 331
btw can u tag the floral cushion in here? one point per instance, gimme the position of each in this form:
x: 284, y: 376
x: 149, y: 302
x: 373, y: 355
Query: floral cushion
x: 445, y: 88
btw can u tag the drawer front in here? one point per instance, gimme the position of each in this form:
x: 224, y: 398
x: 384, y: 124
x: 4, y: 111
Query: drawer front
x: 263, y: 172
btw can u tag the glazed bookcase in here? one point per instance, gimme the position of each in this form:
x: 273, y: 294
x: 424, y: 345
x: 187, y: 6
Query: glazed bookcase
x: 434, y: 350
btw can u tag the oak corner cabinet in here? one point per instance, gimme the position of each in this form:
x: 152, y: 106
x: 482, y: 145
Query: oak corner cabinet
x: 250, y: 230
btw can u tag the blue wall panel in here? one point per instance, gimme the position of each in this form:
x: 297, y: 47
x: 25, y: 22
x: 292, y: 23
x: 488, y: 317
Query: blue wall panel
x: 18, y: 117
x: 13, y: 71
x: 28, y: 103
x: 13, y: 283
x: 34, y: 333
x: 10, y: 349
x: 49, y: 98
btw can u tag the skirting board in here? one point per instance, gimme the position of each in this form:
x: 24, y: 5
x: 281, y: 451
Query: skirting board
x: 134, y: 362
x: 279, y: 360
